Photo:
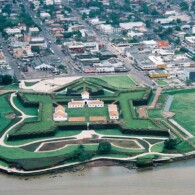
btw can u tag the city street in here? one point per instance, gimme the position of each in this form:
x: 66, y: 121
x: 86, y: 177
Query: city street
x: 138, y: 74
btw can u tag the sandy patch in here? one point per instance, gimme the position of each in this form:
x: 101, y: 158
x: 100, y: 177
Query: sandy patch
x: 48, y: 85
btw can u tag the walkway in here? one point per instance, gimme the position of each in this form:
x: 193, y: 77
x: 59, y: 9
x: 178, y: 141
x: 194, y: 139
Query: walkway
x: 142, y: 110
x: 181, y: 128
x: 157, y: 94
x: 168, y: 103
x: 23, y: 117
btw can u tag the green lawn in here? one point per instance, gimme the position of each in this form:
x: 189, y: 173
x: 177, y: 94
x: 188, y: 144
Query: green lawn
x: 59, y: 134
x: 155, y: 113
x: 14, y: 86
x: 161, y: 82
x: 119, y: 81
x: 161, y: 100
x: 5, y: 109
x: 29, y: 84
x: 19, y: 153
x: 33, y: 111
x: 184, y: 147
x: 158, y: 147
x: 109, y: 132
x: 87, y: 112
x: 183, y: 106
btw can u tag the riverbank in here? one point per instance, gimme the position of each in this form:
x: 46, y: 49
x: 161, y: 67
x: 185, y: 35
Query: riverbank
x: 175, y: 179
x: 100, y: 162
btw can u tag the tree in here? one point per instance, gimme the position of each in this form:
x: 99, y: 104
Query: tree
x: 7, y: 9
x: 193, y: 6
x: 114, y: 18
x: 85, y: 156
x: 6, y: 79
x: 104, y: 148
x: 183, y: 50
x: 58, y: 41
x: 78, y: 3
x: 124, y: 32
x: 148, y: 23
x: 184, y: 6
x: 32, y: 6
x: 154, y: 12
x: 170, y: 144
x: 177, y: 41
x: 145, y: 8
x: 79, y: 150
x: 188, y: 82
x: 84, y: 16
x: 178, y: 28
x: 178, y: 21
x: 35, y: 49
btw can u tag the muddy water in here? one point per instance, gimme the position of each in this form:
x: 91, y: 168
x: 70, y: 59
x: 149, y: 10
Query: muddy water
x: 172, y: 179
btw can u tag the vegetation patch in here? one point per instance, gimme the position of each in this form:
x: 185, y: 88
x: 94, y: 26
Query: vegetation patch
x: 29, y: 84
x: 119, y: 81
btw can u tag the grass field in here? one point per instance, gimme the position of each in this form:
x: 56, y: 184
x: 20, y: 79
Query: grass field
x: 119, y: 81
x: 27, y: 110
x: 161, y: 82
x: 88, y: 112
x: 29, y: 84
x: 13, y: 86
x: 183, y: 106
x: 158, y: 147
x: 5, y: 109
x: 59, y: 134
x: 155, y: 113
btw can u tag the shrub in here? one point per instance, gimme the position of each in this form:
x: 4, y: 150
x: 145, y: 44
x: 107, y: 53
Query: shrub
x: 104, y: 148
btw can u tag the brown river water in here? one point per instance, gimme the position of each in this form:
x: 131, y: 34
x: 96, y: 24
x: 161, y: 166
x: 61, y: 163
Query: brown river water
x: 171, y: 179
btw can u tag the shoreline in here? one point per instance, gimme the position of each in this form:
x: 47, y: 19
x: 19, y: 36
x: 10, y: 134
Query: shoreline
x: 76, y: 167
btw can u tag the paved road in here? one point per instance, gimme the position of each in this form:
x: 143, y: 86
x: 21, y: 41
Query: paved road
x: 12, y: 62
x: 67, y: 61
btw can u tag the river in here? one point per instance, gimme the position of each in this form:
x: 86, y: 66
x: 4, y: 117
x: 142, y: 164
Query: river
x: 173, y: 179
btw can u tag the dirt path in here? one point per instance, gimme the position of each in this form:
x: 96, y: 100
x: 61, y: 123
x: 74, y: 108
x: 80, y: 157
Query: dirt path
x: 143, y: 109
x: 158, y: 92
x: 6, y: 91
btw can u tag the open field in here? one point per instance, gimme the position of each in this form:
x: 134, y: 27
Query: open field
x: 29, y: 84
x: 183, y: 106
x: 33, y: 111
x: 161, y: 82
x: 88, y: 112
x: 119, y: 81
x: 14, y: 86
x: 5, y: 111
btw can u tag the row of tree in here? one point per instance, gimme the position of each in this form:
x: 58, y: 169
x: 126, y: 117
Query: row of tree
x: 6, y: 79
x: 82, y: 155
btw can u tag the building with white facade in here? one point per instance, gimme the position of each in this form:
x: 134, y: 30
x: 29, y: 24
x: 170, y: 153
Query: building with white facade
x: 190, y: 41
x: 95, y: 103
x: 12, y: 31
x: 85, y: 95
x: 60, y: 114
x: 76, y: 104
